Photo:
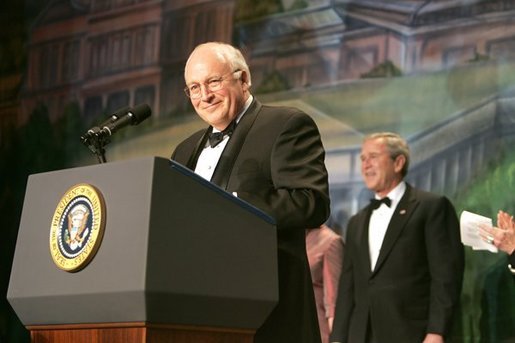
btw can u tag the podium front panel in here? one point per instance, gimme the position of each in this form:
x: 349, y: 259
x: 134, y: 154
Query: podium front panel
x: 176, y: 249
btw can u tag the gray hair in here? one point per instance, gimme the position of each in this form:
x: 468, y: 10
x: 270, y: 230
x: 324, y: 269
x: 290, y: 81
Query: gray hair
x: 396, y: 146
x: 227, y: 54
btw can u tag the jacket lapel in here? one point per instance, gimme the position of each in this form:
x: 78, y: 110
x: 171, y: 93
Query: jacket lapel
x: 232, y: 149
x: 400, y: 217
x: 364, y: 252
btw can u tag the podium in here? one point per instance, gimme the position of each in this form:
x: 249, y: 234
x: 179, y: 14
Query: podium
x: 180, y: 260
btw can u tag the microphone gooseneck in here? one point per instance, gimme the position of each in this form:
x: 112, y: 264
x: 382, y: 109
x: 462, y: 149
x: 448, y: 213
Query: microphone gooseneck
x: 99, y: 136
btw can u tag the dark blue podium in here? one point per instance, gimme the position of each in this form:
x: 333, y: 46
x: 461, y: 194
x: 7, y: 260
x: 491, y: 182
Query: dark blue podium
x: 180, y: 260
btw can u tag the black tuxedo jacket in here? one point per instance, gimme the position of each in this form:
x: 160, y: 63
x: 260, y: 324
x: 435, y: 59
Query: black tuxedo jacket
x: 275, y: 161
x: 416, y: 284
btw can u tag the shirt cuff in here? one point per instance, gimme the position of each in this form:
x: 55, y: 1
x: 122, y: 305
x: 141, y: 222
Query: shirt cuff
x: 511, y: 261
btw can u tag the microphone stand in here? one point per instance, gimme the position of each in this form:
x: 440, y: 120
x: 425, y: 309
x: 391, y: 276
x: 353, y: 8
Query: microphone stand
x: 100, y: 152
x: 99, y: 136
x: 96, y: 143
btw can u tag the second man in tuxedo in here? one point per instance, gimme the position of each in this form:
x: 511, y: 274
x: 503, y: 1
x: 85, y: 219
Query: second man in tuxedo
x: 403, y: 263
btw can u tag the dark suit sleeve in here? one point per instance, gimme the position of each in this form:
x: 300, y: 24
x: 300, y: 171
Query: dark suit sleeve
x: 185, y: 150
x: 511, y: 261
x: 298, y: 196
x: 446, y: 263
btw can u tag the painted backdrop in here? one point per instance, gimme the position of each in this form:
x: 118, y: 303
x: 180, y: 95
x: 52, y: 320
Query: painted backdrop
x: 439, y: 72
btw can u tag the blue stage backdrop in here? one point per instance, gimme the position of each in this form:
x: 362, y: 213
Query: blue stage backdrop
x: 441, y: 73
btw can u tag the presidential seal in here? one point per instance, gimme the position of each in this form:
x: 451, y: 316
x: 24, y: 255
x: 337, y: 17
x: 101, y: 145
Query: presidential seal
x: 77, y: 227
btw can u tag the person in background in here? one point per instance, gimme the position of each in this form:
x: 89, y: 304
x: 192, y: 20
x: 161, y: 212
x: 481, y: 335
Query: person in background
x: 325, y: 256
x: 271, y: 157
x: 502, y: 236
x: 403, y: 263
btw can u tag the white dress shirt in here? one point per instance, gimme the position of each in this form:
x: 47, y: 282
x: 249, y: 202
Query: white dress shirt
x: 209, y: 156
x: 379, y: 221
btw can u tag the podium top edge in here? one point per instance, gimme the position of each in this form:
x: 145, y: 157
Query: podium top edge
x: 162, y: 161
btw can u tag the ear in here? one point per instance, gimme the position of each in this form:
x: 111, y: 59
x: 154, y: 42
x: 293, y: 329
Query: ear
x: 399, y: 163
x: 244, y: 78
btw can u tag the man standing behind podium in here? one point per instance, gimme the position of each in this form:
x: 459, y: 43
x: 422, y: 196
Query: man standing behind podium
x: 403, y: 263
x: 271, y: 157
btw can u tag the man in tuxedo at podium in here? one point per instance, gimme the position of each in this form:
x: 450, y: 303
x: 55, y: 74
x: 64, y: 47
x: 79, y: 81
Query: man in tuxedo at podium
x: 403, y: 262
x: 271, y: 157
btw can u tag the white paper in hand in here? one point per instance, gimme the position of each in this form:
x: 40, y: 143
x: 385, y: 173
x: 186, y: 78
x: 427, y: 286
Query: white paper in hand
x: 469, y: 229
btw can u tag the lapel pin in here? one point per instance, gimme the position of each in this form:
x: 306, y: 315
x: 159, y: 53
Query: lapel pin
x: 402, y: 211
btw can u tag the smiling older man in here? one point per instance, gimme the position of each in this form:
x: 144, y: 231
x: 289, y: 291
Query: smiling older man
x: 271, y: 157
x: 403, y: 263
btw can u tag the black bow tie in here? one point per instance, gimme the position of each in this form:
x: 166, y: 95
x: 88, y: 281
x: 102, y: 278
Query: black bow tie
x: 377, y: 202
x: 216, y: 137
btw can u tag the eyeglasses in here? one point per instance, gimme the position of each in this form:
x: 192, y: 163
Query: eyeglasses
x: 194, y: 91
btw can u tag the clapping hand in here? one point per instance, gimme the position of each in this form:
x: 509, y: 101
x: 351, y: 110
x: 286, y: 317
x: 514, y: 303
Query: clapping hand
x: 502, y: 236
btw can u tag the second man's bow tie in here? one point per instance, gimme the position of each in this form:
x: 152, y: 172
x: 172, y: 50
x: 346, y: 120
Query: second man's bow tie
x: 216, y: 137
x: 377, y: 202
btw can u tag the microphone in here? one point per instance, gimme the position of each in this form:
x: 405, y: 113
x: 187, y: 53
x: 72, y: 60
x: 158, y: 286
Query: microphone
x: 118, y: 120
x: 133, y: 116
x: 96, y: 129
